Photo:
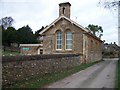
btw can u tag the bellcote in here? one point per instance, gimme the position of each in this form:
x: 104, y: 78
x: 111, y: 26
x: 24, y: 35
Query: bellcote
x: 64, y: 9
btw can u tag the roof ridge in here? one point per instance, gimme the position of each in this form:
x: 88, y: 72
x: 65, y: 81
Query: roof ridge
x: 86, y: 30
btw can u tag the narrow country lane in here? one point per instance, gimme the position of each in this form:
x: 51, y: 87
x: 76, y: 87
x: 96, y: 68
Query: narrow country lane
x: 100, y: 75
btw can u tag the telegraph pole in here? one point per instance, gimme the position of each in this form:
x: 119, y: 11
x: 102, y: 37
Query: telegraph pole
x: 119, y: 23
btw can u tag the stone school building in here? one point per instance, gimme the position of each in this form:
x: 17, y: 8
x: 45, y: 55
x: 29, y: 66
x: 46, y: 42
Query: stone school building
x: 64, y: 36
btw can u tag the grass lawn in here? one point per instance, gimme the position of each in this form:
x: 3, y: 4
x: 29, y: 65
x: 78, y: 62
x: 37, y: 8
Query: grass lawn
x: 38, y: 82
x: 118, y: 75
x: 9, y: 53
x: 0, y: 52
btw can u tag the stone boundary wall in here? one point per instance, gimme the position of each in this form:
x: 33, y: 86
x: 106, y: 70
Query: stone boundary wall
x: 22, y: 68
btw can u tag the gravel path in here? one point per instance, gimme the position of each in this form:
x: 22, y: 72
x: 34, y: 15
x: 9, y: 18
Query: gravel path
x: 100, y: 75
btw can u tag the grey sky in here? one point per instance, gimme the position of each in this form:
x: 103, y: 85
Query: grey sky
x: 38, y: 13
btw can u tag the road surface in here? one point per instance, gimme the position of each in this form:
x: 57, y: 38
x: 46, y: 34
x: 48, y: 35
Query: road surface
x: 100, y: 75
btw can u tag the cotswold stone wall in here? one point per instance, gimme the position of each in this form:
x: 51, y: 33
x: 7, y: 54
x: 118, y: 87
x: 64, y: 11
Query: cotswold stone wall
x: 22, y: 68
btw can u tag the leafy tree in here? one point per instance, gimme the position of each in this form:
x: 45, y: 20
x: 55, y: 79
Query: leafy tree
x: 9, y: 36
x: 25, y: 35
x: 1, y: 29
x: 6, y: 22
x: 95, y: 30
x: 38, y: 31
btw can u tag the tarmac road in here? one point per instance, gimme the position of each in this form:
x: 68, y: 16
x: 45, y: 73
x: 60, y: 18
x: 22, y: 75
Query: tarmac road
x: 100, y: 75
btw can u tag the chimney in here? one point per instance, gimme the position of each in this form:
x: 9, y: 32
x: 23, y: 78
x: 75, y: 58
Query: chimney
x: 64, y: 9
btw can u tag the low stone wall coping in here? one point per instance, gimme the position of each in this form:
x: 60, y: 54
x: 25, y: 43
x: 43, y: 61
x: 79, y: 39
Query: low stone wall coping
x: 35, y: 57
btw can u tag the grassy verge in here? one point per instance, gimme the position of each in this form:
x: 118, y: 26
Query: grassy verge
x: 117, y: 81
x: 9, y: 53
x: 0, y: 52
x: 38, y: 82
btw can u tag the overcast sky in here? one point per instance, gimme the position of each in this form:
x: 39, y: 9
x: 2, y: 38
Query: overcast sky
x: 38, y: 13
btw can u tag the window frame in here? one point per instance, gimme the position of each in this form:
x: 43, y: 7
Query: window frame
x: 60, y: 40
x: 68, y: 39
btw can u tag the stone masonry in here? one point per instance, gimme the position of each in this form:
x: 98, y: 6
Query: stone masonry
x: 16, y: 69
x: 83, y: 42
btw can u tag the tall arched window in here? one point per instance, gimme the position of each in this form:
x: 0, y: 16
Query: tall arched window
x: 68, y: 40
x: 58, y: 40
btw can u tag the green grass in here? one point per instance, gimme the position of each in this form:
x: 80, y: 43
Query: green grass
x: 38, y: 82
x: 10, y: 53
x: 0, y: 52
x: 117, y: 81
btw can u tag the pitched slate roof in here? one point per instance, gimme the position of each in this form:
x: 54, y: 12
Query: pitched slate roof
x: 63, y: 17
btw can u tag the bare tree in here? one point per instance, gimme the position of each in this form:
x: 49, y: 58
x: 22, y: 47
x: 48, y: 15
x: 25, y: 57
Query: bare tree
x: 6, y: 22
x: 109, y: 3
x: 116, y: 5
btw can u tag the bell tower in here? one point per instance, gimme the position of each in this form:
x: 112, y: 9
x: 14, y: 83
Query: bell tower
x: 64, y: 9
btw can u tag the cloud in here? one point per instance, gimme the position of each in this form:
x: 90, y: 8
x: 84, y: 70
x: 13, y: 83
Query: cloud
x: 37, y: 13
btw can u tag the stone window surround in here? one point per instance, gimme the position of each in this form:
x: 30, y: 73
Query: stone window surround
x: 63, y: 35
x: 68, y: 30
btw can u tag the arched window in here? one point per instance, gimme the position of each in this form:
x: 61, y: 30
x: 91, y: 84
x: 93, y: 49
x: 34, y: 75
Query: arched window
x: 68, y: 40
x: 58, y: 40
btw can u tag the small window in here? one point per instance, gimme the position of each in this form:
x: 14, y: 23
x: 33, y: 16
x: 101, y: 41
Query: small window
x: 58, y: 40
x: 63, y: 10
x: 68, y: 40
x: 41, y: 51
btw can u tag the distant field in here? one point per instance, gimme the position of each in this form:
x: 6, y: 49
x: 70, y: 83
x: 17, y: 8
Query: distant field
x: 9, y: 53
